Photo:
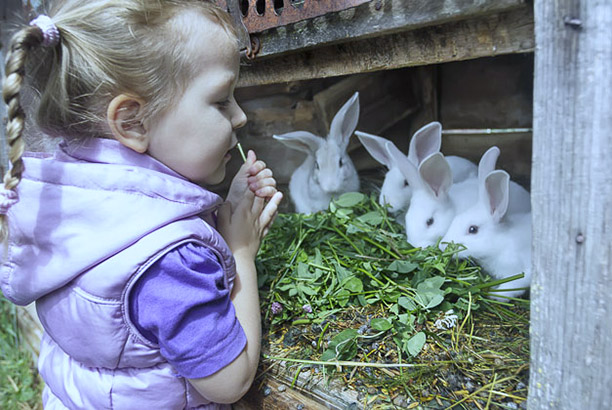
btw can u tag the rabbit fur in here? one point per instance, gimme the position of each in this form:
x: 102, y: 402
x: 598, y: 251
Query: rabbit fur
x: 438, y: 198
x: 500, y: 242
x: 328, y: 171
x: 436, y: 202
x: 396, y: 190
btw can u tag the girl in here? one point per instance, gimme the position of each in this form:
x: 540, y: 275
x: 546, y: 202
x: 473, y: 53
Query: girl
x: 144, y: 303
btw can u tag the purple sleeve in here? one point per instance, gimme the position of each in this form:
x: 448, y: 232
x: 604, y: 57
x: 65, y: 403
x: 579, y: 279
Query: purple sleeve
x: 182, y: 304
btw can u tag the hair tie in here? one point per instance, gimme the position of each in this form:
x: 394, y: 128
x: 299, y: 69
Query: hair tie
x: 51, y: 35
x: 8, y: 198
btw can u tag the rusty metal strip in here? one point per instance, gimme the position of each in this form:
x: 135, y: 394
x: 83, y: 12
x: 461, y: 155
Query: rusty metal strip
x: 260, y: 15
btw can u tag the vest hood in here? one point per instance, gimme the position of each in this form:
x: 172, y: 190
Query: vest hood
x: 85, y: 204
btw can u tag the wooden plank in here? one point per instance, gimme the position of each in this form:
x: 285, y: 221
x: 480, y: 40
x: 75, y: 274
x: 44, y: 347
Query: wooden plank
x: 331, y: 392
x: 515, y: 147
x: 375, y: 18
x: 505, y: 33
x: 571, y: 327
x: 275, y: 395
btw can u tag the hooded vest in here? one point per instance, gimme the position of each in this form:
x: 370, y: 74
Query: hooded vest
x: 89, y: 223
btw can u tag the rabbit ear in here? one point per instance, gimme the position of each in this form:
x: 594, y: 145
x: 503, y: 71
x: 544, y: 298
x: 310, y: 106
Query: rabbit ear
x: 496, y: 189
x: 485, y: 167
x: 436, y: 174
x: 345, y: 122
x: 487, y: 163
x: 425, y: 141
x: 407, y: 168
x: 300, y: 140
x: 375, y: 145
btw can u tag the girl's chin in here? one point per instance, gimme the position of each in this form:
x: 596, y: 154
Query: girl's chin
x: 214, y: 179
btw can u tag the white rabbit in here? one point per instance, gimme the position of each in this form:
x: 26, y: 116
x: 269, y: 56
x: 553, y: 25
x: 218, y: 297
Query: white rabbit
x: 396, y: 190
x: 327, y: 170
x: 500, y: 242
x: 436, y: 201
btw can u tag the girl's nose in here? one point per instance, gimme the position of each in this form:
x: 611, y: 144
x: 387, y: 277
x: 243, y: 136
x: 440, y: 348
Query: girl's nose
x: 239, y: 119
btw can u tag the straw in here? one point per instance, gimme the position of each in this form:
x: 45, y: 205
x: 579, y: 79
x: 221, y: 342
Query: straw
x: 241, y: 152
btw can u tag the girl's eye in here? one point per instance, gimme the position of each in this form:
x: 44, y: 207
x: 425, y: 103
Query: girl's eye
x: 224, y: 103
x: 473, y: 229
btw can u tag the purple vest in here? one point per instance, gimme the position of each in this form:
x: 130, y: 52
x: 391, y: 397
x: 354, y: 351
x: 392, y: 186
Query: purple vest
x: 89, y: 222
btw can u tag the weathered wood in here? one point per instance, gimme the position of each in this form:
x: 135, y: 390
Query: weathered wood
x: 494, y: 92
x: 571, y: 297
x: 375, y: 18
x: 333, y: 393
x: 515, y: 147
x: 279, y: 397
x: 504, y: 33
x: 386, y: 98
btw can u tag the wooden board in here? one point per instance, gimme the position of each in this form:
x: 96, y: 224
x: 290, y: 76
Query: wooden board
x: 273, y: 394
x: 504, y: 33
x: 373, y: 19
x: 571, y: 328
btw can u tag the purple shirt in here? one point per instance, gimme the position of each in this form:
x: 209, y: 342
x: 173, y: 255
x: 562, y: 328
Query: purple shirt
x: 182, y: 304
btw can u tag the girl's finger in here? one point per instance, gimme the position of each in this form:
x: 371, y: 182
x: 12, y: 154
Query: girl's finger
x: 269, y: 212
x: 266, y: 192
x: 258, y: 205
x: 264, y: 173
x: 251, y: 157
x: 267, y: 228
x: 257, y: 167
x: 267, y: 182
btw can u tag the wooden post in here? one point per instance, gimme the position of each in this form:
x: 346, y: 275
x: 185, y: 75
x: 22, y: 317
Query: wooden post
x: 571, y: 297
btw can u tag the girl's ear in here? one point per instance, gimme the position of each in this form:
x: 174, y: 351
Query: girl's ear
x: 123, y: 118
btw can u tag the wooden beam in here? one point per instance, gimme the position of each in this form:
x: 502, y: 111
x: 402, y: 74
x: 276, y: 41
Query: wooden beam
x: 375, y: 18
x: 571, y: 293
x: 505, y: 33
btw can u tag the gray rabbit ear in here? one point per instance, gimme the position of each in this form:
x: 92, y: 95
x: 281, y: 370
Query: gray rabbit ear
x: 497, y: 185
x: 375, y: 145
x: 301, y: 140
x: 345, y: 121
x: 425, y: 141
x: 436, y: 174
x: 407, y: 168
x: 487, y: 163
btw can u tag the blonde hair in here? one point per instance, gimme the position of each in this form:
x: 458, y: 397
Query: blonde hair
x: 107, y: 47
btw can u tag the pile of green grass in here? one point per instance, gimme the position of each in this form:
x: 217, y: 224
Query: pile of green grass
x: 413, y: 325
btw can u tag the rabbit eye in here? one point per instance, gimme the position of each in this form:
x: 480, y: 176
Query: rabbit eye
x: 473, y: 229
x: 340, y: 163
x: 429, y: 222
x: 406, y: 183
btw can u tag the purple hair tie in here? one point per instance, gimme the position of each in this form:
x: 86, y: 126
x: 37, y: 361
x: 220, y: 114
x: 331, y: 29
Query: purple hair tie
x: 8, y: 198
x: 49, y: 30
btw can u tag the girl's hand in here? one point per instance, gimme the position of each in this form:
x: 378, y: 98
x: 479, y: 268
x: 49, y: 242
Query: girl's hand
x: 261, y: 180
x: 244, y: 226
x: 252, y: 175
